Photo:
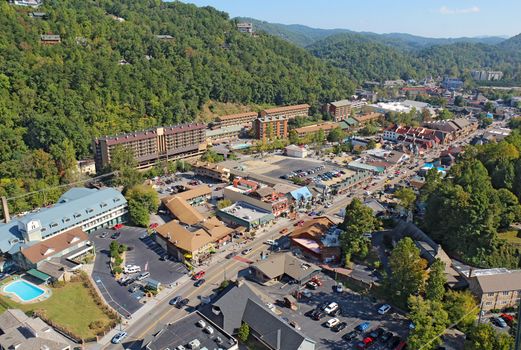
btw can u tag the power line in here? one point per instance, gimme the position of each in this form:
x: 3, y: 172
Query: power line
x: 61, y: 186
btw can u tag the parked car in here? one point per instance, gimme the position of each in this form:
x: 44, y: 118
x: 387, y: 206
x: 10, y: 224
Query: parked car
x: 175, y: 300
x: 153, y: 225
x: 498, y: 321
x: 394, y: 342
x: 350, y: 336
x: 198, y: 275
x: 199, y: 283
x: 332, y: 322
x: 312, y: 285
x: 362, y: 327
x: 134, y: 288
x: 143, y: 236
x: 331, y: 307
x: 143, y: 275
x: 401, y: 346
x: 246, y: 251
x: 384, y: 309
x: 364, y: 344
x: 115, y: 235
x: 132, y: 269
x: 338, y: 288
x: 509, y: 319
x: 339, y: 327
x: 318, y: 315
x: 295, y: 325
x: 104, y: 235
x: 119, y: 337
x: 118, y: 226
x: 386, y: 337
x: 377, y: 333
x: 335, y: 312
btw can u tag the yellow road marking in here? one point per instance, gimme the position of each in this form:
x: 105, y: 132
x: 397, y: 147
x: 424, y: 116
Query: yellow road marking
x: 210, y: 280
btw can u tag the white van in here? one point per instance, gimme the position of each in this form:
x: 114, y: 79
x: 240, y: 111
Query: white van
x: 332, y: 322
x: 132, y: 269
x: 271, y: 242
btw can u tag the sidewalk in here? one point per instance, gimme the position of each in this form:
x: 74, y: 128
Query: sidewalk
x: 143, y: 311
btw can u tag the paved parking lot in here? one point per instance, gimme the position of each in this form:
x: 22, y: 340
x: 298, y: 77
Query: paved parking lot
x: 355, y: 310
x: 144, y: 253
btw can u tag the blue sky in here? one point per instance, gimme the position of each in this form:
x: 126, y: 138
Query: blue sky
x: 433, y: 18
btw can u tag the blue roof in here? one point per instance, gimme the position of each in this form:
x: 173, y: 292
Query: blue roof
x: 73, y: 207
x: 301, y: 193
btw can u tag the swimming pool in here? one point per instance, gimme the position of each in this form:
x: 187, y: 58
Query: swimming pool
x: 24, y: 290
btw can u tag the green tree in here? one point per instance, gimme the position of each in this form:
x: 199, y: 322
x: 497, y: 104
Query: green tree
x: 244, y: 332
x: 336, y: 135
x: 293, y: 137
x: 408, y: 272
x: 485, y: 337
x: 142, y: 200
x: 459, y: 101
x: 124, y: 164
x: 65, y: 157
x: 358, y: 221
x: 445, y: 114
x: 319, y: 137
x: 462, y: 308
x: 406, y: 196
x: 430, y: 321
x: 224, y: 203
x: 211, y: 156
x: 435, y: 286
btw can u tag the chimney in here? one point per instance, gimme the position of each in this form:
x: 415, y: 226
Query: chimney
x: 5, y: 209
x: 470, y: 272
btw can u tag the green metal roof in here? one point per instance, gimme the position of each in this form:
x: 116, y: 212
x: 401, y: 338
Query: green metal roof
x: 38, y: 274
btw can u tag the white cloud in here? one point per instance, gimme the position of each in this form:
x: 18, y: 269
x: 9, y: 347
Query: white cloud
x: 444, y: 10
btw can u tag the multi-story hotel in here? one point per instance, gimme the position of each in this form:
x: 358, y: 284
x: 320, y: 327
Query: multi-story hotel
x: 289, y: 112
x: 312, y: 129
x: 244, y: 119
x: 341, y: 110
x: 267, y: 128
x: 149, y: 146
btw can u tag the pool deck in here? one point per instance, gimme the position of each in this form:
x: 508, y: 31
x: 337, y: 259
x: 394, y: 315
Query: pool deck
x: 16, y: 298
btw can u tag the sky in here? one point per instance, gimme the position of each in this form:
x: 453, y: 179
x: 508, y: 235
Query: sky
x: 432, y: 18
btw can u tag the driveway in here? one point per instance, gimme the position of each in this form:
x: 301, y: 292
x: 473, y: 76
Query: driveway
x: 144, y: 253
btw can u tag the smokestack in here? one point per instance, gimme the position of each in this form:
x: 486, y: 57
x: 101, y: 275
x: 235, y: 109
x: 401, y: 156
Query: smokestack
x: 5, y: 209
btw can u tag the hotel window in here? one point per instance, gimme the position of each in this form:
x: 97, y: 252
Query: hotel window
x: 490, y: 294
x: 103, y: 205
x: 488, y: 303
x: 506, y: 293
x: 77, y: 215
x: 89, y: 210
x: 116, y: 200
x: 66, y: 219
x: 53, y: 224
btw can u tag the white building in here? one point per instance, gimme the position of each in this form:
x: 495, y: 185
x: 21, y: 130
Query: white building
x: 296, y: 151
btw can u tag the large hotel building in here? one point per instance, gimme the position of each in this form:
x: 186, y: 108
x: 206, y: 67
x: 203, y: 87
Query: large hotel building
x: 289, y: 112
x: 149, y: 146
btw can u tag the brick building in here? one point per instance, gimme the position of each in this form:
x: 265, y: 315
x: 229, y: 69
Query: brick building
x: 244, y: 119
x: 341, y: 110
x: 149, y: 146
x: 311, y: 129
x: 267, y: 128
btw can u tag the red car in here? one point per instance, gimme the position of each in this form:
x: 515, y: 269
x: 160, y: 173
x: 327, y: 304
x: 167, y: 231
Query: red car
x: 365, y: 343
x: 300, y: 223
x: 118, y: 226
x: 509, y: 319
x: 154, y: 225
x: 198, y: 275
x: 401, y: 346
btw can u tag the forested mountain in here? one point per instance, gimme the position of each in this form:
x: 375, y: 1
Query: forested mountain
x: 303, y: 36
x: 111, y: 74
x: 366, y: 58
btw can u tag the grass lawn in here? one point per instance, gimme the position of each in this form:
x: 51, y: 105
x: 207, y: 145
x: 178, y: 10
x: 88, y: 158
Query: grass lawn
x: 70, y: 306
x: 511, y: 236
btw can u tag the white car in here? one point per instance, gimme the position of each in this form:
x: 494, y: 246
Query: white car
x: 332, y: 322
x: 384, y: 309
x: 119, y: 337
x: 339, y: 288
x: 331, y: 307
x: 132, y: 269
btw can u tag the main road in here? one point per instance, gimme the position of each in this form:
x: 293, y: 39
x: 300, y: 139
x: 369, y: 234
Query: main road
x: 221, y: 269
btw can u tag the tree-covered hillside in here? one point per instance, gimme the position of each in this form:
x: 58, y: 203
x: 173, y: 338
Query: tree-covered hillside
x: 370, y: 57
x: 109, y: 75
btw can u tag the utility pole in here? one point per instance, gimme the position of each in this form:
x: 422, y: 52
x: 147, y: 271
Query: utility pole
x: 518, y: 329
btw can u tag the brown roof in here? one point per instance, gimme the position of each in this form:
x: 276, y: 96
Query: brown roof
x: 238, y: 116
x: 265, y: 191
x: 313, y: 228
x: 210, y: 231
x: 285, y: 108
x: 54, y: 245
x: 501, y: 282
x: 286, y: 263
x: 195, y: 192
x: 182, y: 238
x: 183, y: 211
x: 151, y: 133
x: 316, y: 127
x: 368, y: 117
